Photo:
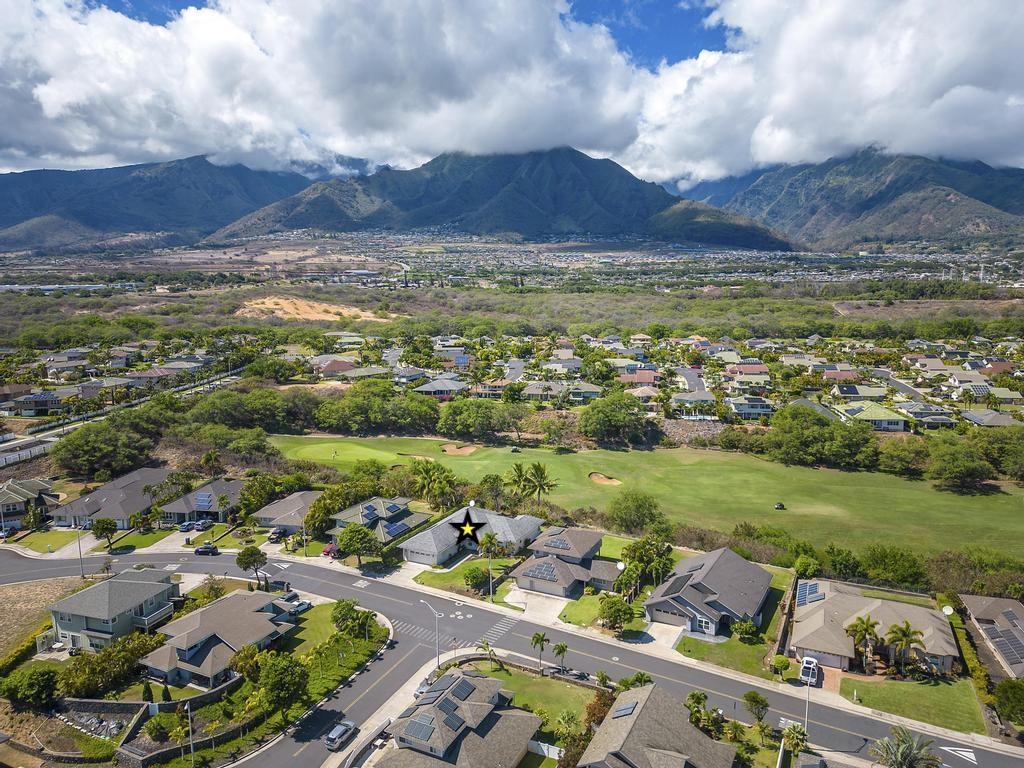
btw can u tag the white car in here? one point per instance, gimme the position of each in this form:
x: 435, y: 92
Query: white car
x: 809, y: 671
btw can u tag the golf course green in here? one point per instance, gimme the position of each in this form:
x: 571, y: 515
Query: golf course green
x: 715, y: 489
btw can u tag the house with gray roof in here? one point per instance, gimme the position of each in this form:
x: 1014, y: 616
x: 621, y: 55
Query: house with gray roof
x: 19, y: 496
x: 200, y: 644
x: 986, y: 417
x: 389, y: 519
x: 205, y: 502
x: 440, y: 542
x: 1000, y: 621
x: 289, y: 512
x: 564, y: 562
x: 464, y: 719
x: 443, y: 387
x: 131, y: 600
x: 119, y: 500
x: 824, y: 609
x: 648, y: 728
x: 709, y: 592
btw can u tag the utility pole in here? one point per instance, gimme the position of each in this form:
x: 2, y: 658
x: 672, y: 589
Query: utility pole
x: 437, y: 634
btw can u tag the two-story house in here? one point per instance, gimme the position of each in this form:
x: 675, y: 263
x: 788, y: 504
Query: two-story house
x: 564, y: 561
x: 750, y: 406
x: 387, y: 518
x: 19, y: 496
x: 132, y: 600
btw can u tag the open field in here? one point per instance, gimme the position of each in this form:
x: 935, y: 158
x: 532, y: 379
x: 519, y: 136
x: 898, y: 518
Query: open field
x: 948, y: 705
x: 292, y: 308
x: 25, y: 607
x: 927, y: 308
x: 718, y: 490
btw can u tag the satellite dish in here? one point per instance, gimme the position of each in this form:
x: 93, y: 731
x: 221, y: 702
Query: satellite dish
x: 947, y: 610
x: 472, y: 502
x: 620, y: 565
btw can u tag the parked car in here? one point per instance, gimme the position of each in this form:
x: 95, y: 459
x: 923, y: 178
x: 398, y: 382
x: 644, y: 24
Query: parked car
x: 207, y: 549
x: 339, y: 735
x: 276, y: 534
x: 290, y: 597
x: 204, y: 525
x: 187, y: 526
x: 331, y: 550
x: 300, y: 607
x: 809, y: 671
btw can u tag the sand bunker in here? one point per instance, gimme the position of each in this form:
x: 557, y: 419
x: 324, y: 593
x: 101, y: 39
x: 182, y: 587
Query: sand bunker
x: 453, y: 450
x: 602, y: 479
x: 290, y: 308
x: 417, y: 456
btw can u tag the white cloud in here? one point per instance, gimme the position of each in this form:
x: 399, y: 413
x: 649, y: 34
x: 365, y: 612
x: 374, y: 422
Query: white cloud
x: 271, y: 81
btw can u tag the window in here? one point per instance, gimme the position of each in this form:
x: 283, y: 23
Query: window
x: 63, y: 617
x: 705, y: 626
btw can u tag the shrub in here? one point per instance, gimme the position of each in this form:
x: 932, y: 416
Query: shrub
x: 33, y: 687
x: 22, y: 652
x: 475, y: 578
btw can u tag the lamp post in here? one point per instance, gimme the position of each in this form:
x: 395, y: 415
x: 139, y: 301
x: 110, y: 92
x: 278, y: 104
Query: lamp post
x: 81, y: 562
x: 807, y: 705
x: 191, y: 744
x: 437, y: 632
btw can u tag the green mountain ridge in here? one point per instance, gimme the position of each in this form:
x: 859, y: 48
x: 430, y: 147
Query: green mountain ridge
x: 557, y: 192
x: 872, y: 196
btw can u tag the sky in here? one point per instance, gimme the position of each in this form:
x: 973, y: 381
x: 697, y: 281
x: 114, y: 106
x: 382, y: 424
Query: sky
x: 675, y: 90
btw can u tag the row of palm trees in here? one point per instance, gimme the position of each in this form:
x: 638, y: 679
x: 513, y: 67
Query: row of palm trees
x: 439, y: 486
x: 900, y: 638
x: 529, y: 482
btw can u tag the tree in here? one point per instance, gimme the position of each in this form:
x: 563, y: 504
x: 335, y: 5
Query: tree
x: 539, y: 481
x: 632, y: 511
x: 763, y: 730
x: 475, y: 578
x: 560, y: 649
x: 516, y: 479
x: 489, y: 544
x: 842, y: 563
x: 781, y: 664
x: 901, y: 638
x: 251, y: 558
x: 344, y: 614
x: 246, y: 662
x: 101, y: 446
x: 165, y: 693
x: 33, y: 687
x: 147, y: 690
x: 806, y: 567
x: 695, y: 702
x: 907, y: 457
x: 614, y: 611
x: 902, y: 749
x: 104, y: 528
x: 435, y: 483
x: 735, y: 730
x: 538, y: 641
x: 485, y: 647
x: 283, y: 679
x: 756, y: 704
x: 745, y: 629
x: 614, y: 418
x: 958, y: 466
x: 864, y: 631
x: 258, y: 491
x: 360, y: 541
x: 156, y: 729
x: 1010, y: 700
x: 567, y: 724
x: 794, y: 738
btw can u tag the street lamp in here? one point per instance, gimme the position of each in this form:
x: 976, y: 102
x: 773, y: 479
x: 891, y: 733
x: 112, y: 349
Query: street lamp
x: 437, y: 633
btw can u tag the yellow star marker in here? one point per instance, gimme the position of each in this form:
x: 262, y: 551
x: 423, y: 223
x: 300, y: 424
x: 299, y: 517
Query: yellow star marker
x: 468, y: 528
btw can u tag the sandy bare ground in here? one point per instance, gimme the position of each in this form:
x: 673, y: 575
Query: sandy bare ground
x: 453, y: 450
x: 602, y: 479
x: 926, y: 308
x: 290, y: 308
x: 25, y: 607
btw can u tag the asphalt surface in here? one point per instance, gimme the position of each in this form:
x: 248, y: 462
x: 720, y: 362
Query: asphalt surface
x: 462, y: 625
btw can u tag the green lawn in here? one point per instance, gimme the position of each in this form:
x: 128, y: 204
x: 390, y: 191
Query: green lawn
x: 454, y: 579
x: 313, y: 627
x: 537, y: 761
x: 948, y: 705
x: 231, y: 541
x: 718, y: 489
x: 738, y: 655
x: 134, y: 692
x: 38, y: 541
x: 136, y: 540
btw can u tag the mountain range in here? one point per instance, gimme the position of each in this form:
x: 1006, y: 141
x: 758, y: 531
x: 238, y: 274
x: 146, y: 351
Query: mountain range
x: 559, y: 192
x: 871, y: 196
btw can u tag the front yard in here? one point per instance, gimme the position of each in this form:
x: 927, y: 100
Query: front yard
x: 51, y: 540
x: 945, y: 704
x: 742, y: 656
x: 312, y: 628
x: 134, y: 540
x: 454, y: 580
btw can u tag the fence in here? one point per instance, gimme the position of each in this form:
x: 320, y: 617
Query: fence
x: 7, y: 459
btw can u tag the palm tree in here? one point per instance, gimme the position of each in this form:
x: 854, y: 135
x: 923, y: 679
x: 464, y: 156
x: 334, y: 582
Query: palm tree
x: 488, y: 545
x: 864, y: 631
x: 515, y: 479
x: 794, y: 738
x: 991, y: 401
x: 560, y: 649
x: 602, y: 677
x: 566, y: 724
x: 539, y: 481
x: 695, y: 701
x: 902, y: 749
x: 763, y: 730
x: 538, y: 641
x: 901, y: 638
x: 641, y: 679
x: 485, y: 647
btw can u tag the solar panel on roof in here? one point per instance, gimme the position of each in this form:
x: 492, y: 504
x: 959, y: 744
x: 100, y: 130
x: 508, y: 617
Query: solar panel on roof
x: 429, y: 697
x: 543, y: 571
x: 425, y: 718
x: 815, y: 598
x: 442, y: 683
x: 447, y: 706
x: 392, y: 508
x: 463, y: 689
x: 419, y: 731
x: 454, y: 722
x: 407, y: 713
x: 808, y: 592
x: 395, y: 529
x: 557, y: 544
x: 625, y: 709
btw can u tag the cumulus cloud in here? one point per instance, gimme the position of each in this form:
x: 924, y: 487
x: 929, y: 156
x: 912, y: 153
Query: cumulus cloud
x: 274, y: 82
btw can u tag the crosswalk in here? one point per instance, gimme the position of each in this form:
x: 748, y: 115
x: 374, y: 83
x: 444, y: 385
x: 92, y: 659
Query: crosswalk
x: 448, y: 642
x: 499, y: 630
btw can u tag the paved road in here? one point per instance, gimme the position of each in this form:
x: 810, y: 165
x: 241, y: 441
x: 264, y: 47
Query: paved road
x: 886, y: 376
x: 462, y: 626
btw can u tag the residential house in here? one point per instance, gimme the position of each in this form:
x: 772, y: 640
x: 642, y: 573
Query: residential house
x: 42, y: 403
x: 750, y: 406
x: 858, y: 393
x: 641, y: 376
x: 406, y: 375
x: 333, y: 369
x: 647, y: 727
x: 443, y: 388
x: 205, y: 502
x: 1001, y: 622
x: 878, y: 416
x: 985, y: 417
x: 131, y: 600
x: 568, y: 366
x: 817, y: 407
x: 287, y: 513
x: 120, y: 500
x: 748, y: 383
x: 648, y: 396
x: 492, y: 389
x: 709, y: 592
x: 19, y: 496
x: 464, y: 719
x: 200, y: 644
x: 692, y: 379
x: 695, y: 406
x: 389, y: 519
x: 152, y: 377
x: 927, y: 415
x: 824, y: 609
x: 573, y: 391
x: 367, y: 372
x: 440, y: 542
x: 564, y: 561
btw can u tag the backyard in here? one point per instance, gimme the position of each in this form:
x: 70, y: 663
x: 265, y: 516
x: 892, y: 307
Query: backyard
x: 945, y: 704
x: 719, y: 489
x: 742, y: 656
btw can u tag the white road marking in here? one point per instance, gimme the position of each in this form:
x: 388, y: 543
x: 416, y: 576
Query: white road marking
x: 961, y: 752
x: 172, y: 566
x: 361, y: 584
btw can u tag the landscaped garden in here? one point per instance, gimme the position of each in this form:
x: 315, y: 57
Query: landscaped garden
x: 745, y: 655
x: 455, y: 579
x: 939, y: 702
x: 719, y: 489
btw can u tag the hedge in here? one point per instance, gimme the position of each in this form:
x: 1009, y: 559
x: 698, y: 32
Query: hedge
x: 22, y: 653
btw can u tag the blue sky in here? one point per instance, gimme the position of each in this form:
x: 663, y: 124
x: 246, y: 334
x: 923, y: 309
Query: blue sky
x: 649, y: 30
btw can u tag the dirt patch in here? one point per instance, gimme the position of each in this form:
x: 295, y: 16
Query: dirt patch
x: 602, y: 479
x: 453, y: 450
x: 25, y: 607
x: 290, y: 308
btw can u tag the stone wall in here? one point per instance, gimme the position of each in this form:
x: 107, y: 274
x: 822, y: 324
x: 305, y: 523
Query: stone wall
x: 200, y: 699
